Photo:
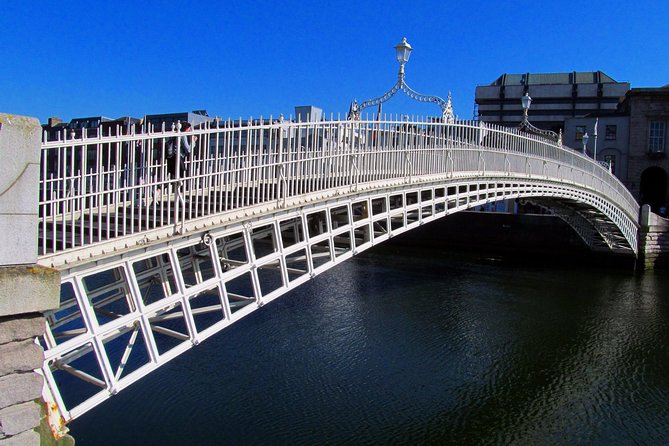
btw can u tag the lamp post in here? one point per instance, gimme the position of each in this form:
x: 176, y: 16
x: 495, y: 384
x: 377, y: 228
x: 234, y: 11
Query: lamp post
x: 525, y: 125
x: 526, y: 101
x: 585, y: 142
x: 402, y: 53
x: 594, y: 150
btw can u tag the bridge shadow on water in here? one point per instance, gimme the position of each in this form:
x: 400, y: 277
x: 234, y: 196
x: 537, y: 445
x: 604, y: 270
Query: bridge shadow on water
x: 519, y: 239
x: 411, y: 345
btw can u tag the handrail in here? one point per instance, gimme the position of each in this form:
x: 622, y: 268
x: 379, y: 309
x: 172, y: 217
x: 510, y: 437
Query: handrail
x: 95, y: 188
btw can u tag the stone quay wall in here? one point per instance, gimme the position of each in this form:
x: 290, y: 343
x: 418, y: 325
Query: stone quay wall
x: 653, y: 240
x: 26, y: 289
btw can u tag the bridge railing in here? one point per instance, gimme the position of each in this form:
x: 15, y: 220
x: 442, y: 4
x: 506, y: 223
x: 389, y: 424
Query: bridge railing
x: 99, y: 187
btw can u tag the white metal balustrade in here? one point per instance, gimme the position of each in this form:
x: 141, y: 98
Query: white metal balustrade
x: 108, y: 192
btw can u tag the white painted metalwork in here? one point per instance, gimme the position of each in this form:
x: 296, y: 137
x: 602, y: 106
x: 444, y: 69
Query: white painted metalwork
x: 526, y: 126
x: 403, y: 51
x: 104, y: 193
x: 154, y: 264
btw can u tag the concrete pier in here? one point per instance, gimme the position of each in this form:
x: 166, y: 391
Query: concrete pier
x: 26, y: 289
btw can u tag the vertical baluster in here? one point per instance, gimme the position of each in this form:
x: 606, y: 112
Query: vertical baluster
x: 42, y: 205
x: 260, y: 162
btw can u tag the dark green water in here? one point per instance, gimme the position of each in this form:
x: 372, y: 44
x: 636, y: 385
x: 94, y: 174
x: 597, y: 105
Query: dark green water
x: 418, y: 347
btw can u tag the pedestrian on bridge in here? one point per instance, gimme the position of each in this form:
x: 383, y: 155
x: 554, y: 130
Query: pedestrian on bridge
x: 185, y: 150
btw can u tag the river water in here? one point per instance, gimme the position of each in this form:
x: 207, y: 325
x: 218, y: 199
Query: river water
x: 411, y: 346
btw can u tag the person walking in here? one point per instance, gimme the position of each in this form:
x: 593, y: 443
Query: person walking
x: 185, y: 150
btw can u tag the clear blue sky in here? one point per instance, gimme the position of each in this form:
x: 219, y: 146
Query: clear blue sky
x: 246, y: 58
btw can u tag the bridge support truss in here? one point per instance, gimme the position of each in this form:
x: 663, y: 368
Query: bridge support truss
x: 124, y: 316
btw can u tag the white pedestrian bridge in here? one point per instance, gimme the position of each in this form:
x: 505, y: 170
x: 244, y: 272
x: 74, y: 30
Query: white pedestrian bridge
x: 154, y: 263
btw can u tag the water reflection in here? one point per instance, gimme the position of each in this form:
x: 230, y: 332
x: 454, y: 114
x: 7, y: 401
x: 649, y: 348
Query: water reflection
x: 414, y: 347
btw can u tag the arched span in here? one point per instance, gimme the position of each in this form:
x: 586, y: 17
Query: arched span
x: 144, y: 306
x: 243, y: 229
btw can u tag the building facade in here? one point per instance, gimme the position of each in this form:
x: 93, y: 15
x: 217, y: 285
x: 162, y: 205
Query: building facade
x: 556, y: 97
x: 608, y: 139
x: 626, y: 128
x: 648, y: 110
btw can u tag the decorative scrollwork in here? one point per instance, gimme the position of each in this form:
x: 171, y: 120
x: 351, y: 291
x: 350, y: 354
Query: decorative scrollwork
x: 207, y: 239
x: 400, y: 85
x: 381, y: 99
x: 525, y: 126
x: 422, y: 97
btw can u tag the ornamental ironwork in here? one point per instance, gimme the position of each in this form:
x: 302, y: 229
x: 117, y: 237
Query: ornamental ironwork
x: 403, y: 50
x: 527, y: 127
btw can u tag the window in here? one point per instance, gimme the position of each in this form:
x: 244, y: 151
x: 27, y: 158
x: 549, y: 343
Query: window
x: 580, y: 130
x: 656, y: 137
x: 611, y: 131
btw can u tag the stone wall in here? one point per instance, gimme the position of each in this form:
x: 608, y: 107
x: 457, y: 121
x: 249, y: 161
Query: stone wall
x: 653, y: 240
x: 20, y: 387
x: 26, y: 289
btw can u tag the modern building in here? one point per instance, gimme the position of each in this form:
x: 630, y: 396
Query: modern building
x: 88, y: 123
x: 556, y: 97
x: 77, y: 127
x: 308, y: 113
x: 89, y: 127
x: 156, y: 122
x: 648, y: 110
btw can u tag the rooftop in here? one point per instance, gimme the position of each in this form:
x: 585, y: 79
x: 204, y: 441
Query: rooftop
x: 574, y: 77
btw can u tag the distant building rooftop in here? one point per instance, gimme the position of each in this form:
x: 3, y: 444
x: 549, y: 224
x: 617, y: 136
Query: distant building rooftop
x: 195, y: 117
x: 575, y: 77
x: 90, y: 122
x: 650, y: 90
